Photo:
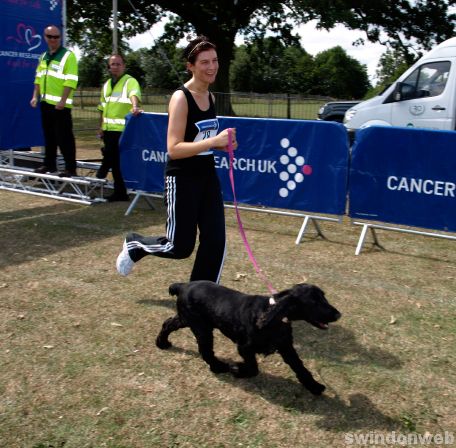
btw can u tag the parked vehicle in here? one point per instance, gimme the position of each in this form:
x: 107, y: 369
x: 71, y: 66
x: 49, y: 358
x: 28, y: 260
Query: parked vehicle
x: 424, y: 96
x: 335, y: 110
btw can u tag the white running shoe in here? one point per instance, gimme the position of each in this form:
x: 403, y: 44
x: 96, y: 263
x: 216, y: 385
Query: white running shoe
x: 124, y: 263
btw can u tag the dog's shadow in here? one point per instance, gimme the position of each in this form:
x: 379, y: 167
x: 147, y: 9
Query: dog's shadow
x: 357, y: 412
x: 165, y: 303
x: 340, y: 345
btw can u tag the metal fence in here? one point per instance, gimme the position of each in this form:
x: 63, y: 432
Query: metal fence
x: 256, y: 105
x: 86, y: 117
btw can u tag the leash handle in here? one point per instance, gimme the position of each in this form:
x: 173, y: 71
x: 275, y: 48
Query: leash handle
x: 258, y: 270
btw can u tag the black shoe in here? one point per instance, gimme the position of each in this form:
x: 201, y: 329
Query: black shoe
x: 118, y: 197
x: 102, y: 172
x: 67, y: 173
x: 43, y: 169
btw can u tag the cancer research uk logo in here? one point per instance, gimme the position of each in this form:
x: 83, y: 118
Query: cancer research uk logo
x: 293, y: 168
x: 53, y: 4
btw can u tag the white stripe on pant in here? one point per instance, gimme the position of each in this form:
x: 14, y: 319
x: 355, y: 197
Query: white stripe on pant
x: 194, y: 202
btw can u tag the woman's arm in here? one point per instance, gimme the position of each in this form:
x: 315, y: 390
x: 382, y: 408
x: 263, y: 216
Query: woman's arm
x: 177, y: 122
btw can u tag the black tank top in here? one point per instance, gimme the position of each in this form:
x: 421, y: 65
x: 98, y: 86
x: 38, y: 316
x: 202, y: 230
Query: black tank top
x: 201, y: 124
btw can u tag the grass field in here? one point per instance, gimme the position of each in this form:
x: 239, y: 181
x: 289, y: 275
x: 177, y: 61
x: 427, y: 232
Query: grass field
x: 79, y: 368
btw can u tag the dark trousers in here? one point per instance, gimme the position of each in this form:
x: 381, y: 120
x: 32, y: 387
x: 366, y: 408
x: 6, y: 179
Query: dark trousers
x: 194, y: 203
x: 111, y: 160
x: 58, y: 132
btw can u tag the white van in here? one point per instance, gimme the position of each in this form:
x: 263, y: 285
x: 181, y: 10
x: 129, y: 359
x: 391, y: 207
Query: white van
x: 423, y: 97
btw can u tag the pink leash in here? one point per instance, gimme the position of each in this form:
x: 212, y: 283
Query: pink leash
x: 258, y: 270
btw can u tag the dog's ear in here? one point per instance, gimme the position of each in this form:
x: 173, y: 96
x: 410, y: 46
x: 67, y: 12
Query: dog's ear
x: 275, y: 312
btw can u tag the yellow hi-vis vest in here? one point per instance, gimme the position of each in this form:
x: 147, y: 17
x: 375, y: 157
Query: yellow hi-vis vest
x: 54, y: 73
x: 116, y: 103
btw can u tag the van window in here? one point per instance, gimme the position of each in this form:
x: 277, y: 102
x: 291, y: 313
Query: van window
x: 427, y: 80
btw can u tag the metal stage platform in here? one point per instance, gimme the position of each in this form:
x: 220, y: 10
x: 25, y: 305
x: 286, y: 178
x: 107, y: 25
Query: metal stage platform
x: 16, y: 174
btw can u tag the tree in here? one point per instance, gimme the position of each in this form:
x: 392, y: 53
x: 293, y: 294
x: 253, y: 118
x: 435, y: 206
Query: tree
x: 134, y: 66
x: 163, y: 65
x: 426, y: 21
x: 391, y: 65
x: 340, y: 75
x: 300, y: 67
x: 92, y: 70
x: 267, y: 65
x: 260, y: 66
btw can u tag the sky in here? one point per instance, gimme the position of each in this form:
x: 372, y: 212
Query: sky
x: 312, y: 40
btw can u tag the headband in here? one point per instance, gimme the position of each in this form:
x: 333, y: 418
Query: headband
x: 199, y: 45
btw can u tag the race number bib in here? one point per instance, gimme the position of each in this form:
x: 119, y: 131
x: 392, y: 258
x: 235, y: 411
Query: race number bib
x: 206, y: 129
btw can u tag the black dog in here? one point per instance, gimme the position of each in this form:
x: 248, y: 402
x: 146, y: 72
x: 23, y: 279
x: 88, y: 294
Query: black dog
x: 257, y: 324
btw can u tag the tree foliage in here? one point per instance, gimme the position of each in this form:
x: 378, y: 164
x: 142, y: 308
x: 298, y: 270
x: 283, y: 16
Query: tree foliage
x: 423, y: 22
x: 92, y: 70
x: 266, y: 66
x: 340, y: 75
x: 391, y: 65
x: 164, y: 66
x: 269, y: 66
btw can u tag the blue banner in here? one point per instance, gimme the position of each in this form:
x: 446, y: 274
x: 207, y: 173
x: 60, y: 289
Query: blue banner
x: 404, y: 176
x: 21, y: 44
x: 287, y: 164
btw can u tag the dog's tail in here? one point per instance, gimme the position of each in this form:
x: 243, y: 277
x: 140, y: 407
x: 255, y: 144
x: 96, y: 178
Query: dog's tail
x: 175, y: 288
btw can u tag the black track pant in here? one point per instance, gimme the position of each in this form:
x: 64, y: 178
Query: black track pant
x: 58, y: 132
x: 111, y: 160
x: 193, y: 203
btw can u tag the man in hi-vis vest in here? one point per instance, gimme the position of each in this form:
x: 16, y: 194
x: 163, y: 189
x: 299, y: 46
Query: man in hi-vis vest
x: 120, y: 95
x: 55, y: 82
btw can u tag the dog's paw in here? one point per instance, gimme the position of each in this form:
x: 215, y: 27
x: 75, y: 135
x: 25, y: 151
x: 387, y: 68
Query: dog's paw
x: 220, y: 367
x: 315, y: 388
x: 162, y: 343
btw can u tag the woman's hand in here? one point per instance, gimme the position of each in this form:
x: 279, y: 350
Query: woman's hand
x: 222, y: 140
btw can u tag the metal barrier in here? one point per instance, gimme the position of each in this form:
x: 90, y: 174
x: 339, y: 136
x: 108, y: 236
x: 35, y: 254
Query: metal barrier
x: 14, y: 176
x: 71, y: 189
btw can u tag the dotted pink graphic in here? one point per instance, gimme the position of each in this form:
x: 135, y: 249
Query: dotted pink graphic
x: 293, y: 169
x: 307, y: 170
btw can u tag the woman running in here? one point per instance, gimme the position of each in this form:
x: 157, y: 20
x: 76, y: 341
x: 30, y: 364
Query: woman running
x: 193, y: 195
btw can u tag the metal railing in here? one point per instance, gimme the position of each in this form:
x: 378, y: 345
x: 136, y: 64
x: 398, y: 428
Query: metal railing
x: 289, y: 106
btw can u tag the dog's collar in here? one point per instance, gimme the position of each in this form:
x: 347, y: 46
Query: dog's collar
x: 272, y: 301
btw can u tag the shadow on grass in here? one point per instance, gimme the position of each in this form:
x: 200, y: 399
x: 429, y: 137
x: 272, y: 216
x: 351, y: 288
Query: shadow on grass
x: 356, y: 413
x: 165, y: 303
x: 32, y: 233
x: 339, y: 345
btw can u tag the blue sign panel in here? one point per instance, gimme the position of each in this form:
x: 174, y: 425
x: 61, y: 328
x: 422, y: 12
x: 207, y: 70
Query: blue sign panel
x: 289, y: 164
x: 143, y: 152
x: 404, y: 176
x: 21, y: 44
